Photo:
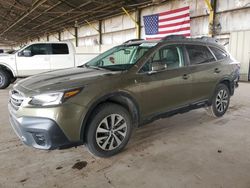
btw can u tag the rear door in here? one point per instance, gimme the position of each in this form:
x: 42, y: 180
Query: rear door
x: 37, y: 62
x: 62, y: 56
x: 205, y: 71
x: 167, y: 89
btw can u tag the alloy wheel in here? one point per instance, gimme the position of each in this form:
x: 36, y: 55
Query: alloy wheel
x: 111, y: 132
x: 221, y: 100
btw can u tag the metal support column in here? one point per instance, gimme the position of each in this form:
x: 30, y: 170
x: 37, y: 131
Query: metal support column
x: 212, y: 7
x: 59, y: 36
x: 138, y: 20
x: 76, y: 36
x: 100, y: 32
x: 137, y: 26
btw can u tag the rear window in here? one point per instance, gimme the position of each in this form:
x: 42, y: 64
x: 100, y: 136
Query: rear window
x: 60, y: 49
x: 219, y: 54
x: 199, y: 54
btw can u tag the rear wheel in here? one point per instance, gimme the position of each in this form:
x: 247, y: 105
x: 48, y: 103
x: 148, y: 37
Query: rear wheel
x: 4, y: 79
x: 220, y: 101
x: 109, y: 130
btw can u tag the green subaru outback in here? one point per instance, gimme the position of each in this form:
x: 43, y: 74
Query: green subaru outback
x: 100, y: 103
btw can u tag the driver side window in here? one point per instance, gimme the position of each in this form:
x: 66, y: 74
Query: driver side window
x: 38, y: 49
x: 170, y: 57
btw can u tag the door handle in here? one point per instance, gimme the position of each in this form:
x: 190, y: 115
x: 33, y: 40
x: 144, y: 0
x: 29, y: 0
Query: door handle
x: 185, y: 76
x: 217, y: 70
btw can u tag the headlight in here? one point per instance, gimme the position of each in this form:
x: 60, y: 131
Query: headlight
x: 47, y: 99
x: 50, y: 99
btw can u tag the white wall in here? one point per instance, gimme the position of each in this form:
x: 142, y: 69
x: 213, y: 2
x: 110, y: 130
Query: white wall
x: 118, y: 29
x: 5, y: 47
x: 121, y: 28
x: 239, y: 47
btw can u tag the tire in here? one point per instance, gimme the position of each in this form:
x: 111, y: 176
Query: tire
x: 220, y: 101
x: 4, y: 79
x: 13, y: 79
x: 104, y: 139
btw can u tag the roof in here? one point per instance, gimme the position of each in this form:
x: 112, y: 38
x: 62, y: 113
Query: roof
x: 177, y: 39
x: 26, y: 19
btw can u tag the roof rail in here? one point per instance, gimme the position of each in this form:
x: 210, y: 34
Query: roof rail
x: 172, y: 37
x: 132, y: 40
x: 208, y: 39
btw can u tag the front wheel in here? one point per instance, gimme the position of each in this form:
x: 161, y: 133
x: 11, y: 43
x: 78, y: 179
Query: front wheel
x: 109, y: 130
x: 4, y: 79
x: 220, y: 101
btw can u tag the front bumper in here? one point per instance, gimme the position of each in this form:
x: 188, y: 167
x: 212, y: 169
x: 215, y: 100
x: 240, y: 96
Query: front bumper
x: 41, y: 133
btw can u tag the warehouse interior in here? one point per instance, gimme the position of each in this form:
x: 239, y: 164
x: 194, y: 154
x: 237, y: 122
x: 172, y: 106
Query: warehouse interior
x: 186, y: 150
x: 106, y: 24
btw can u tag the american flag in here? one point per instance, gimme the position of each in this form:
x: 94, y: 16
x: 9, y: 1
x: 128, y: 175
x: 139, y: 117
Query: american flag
x: 173, y: 22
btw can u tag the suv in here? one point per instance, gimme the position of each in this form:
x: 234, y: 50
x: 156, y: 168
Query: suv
x: 100, y: 103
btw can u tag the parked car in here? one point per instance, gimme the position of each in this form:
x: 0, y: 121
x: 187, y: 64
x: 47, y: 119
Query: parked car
x: 37, y: 58
x: 100, y: 103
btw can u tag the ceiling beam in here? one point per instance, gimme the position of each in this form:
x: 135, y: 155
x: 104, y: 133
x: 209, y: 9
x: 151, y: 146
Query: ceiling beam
x: 68, y: 4
x: 51, y: 20
x: 64, y: 24
x: 11, y: 4
x: 85, y: 14
x: 34, y: 18
x: 36, y: 5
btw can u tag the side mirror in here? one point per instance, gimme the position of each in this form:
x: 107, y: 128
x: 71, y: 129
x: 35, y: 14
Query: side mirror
x: 25, y: 53
x: 157, y: 66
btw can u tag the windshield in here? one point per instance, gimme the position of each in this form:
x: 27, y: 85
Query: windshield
x: 119, y: 58
x: 11, y: 51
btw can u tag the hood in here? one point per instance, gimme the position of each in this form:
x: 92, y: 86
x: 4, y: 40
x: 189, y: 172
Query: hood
x: 62, y: 79
x: 5, y: 56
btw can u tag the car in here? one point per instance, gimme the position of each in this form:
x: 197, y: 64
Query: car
x: 99, y: 104
x: 37, y: 58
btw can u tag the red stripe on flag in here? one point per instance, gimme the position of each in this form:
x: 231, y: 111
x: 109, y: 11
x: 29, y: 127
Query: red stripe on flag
x: 175, y: 30
x: 175, y: 24
x: 174, y: 11
x: 174, y: 18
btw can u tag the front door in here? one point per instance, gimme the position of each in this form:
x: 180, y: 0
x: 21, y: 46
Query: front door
x: 166, y: 89
x: 33, y: 59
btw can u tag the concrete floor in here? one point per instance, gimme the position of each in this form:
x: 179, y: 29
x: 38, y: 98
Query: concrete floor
x: 188, y: 150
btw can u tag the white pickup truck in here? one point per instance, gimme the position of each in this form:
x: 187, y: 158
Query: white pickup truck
x: 37, y: 58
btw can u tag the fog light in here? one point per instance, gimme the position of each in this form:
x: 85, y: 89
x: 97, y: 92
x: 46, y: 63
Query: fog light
x: 39, y: 138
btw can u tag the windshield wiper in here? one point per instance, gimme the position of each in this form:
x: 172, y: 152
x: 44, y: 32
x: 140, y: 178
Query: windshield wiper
x: 96, y: 67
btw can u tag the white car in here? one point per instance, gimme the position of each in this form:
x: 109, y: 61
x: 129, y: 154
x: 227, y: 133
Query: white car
x: 38, y: 58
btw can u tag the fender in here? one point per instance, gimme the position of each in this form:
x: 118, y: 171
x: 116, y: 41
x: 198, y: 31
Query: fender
x: 231, y: 86
x: 8, y: 67
x: 231, y: 83
x: 105, y: 98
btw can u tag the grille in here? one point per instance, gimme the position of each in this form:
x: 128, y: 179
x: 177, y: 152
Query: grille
x: 16, y: 99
